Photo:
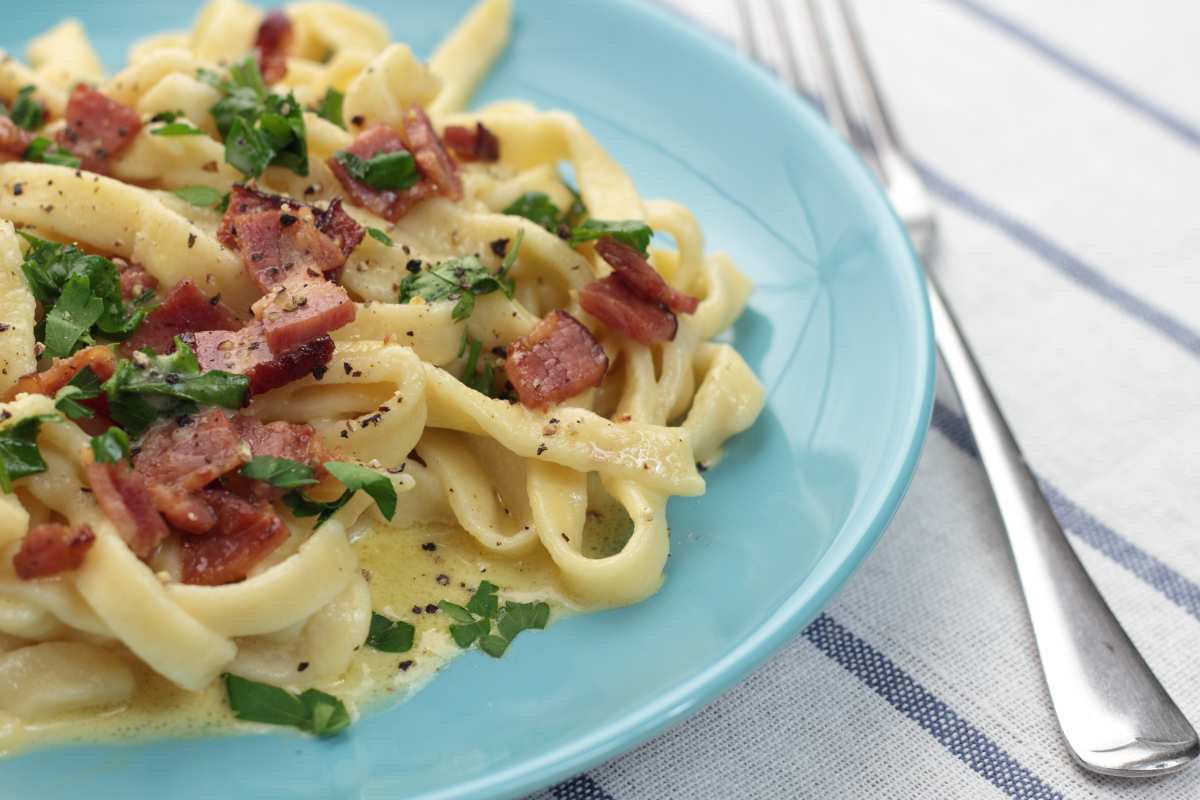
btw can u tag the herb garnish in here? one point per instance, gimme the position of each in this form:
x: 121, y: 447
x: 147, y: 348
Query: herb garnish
x: 331, y: 107
x: 390, y: 635
x: 176, y: 129
x: 44, y: 151
x: 282, y: 472
x: 202, y: 196
x: 632, y: 232
x: 84, y: 386
x: 379, y: 236
x: 536, y: 207
x: 152, y: 386
x: 384, y: 171
x: 482, y: 380
x: 259, y: 128
x: 312, y: 710
x: 463, y: 278
x: 354, y: 477
x: 26, y: 112
x: 19, y: 454
x: 82, y: 295
x: 111, y: 446
x: 473, y: 622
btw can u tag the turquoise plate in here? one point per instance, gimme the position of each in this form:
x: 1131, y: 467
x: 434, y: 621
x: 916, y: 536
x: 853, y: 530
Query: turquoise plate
x: 838, y: 330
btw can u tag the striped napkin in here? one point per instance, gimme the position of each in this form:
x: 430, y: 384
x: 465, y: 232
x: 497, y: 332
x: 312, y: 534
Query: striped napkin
x: 1061, y: 142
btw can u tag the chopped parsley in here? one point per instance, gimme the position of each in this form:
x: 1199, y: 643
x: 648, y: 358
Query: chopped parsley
x: 81, y: 294
x: 632, y: 232
x: 355, y: 478
x: 461, y: 278
x: 259, y: 128
x: 84, y: 386
x: 313, y: 711
x: 151, y: 386
x: 384, y: 171
x: 281, y: 472
x: 537, y: 207
x: 473, y: 622
x: 379, y: 236
x: 19, y: 454
x: 331, y: 107
x: 26, y: 112
x: 390, y: 635
x: 201, y: 196
x: 44, y: 151
x: 111, y: 446
x: 480, y: 378
x: 177, y: 129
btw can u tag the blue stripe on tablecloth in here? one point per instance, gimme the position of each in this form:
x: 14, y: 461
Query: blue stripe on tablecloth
x: 581, y: 787
x: 1069, y: 265
x: 1122, y: 94
x: 898, y: 688
x: 1171, y: 584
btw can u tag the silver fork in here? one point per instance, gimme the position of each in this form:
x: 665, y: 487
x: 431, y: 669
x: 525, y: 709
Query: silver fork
x: 1115, y: 715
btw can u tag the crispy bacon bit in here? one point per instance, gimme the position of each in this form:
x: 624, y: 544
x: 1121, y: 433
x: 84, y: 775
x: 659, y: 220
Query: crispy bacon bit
x: 301, y: 309
x: 60, y: 373
x: 13, y: 140
x: 135, y: 280
x: 292, y: 440
x: 431, y: 156
x: 479, y: 144
x: 333, y: 221
x: 51, y: 548
x: 272, y: 251
x: 247, y: 352
x: 612, y: 302
x: 556, y: 361
x: 244, y: 534
x: 271, y: 46
x: 642, y: 278
x: 122, y: 495
x: 98, y: 128
x: 389, y: 204
x: 185, y: 310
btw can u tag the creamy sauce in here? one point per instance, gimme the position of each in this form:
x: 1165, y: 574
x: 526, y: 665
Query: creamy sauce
x: 408, y: 571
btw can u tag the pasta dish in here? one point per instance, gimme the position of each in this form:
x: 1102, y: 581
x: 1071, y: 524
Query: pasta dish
x: 311, y: 378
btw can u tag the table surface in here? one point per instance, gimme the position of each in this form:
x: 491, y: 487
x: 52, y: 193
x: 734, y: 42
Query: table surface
x: 1061, y: 142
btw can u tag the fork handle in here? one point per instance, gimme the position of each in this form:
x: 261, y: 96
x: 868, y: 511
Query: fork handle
x: 1116, y: 717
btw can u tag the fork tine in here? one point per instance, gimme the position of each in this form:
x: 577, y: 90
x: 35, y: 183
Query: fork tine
x: 826, y: 81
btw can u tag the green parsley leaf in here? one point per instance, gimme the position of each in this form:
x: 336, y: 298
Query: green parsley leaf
x: 484, y: 602
x: 313, y: 711
x: 26, y: 112
x: 331, y: 107
x: 456, y: 612
x: 111, y: 446
x: 202, y: 196
x: 19, y: 454
x: 465, y: 635
x: 281, y: 472
x: 454, y: 280
x: 517, y: 617
x: 259, y: 128
x: 357, y: 477
x: 177, y: 129
x: 43, y: 151
x: 379, y: 236
x: 84, y: 386
x: 167, y: 116
x: 510, y: 257
x: 536, y: 207
x: 482, y: 381
x: 390, y: 635
x: 385, y: 171
x: 68, y: 323
x: 632, y: 232
x: 493, y: 645
x: 152, y: 386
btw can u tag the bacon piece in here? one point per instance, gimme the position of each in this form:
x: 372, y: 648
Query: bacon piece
x: 290, y: 440
x: 177, y: 460
x: 135, y: 280
x: 642, y: 278
x: 430, y: 154
x: 301, y: 309
x: 62, y: 370
x: 387, y: 203
x: 98, y: 128
x: 276, y: 244
x: 122, y: 495
x: 472, y: 145
x: 271, y: 45
x: 244, y: 534
x: 557, y: 360
x: 612, y: 302
x: 332, y: 221
x: 185, y: 310
x: 14, y: 141
x: 51, y: 548
x: 247, y: 352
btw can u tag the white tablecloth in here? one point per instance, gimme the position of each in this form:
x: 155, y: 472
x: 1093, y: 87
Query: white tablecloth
x: 1062, y: 144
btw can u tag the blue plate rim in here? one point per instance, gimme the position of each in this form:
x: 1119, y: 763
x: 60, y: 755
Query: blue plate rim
x: 688, y: 698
